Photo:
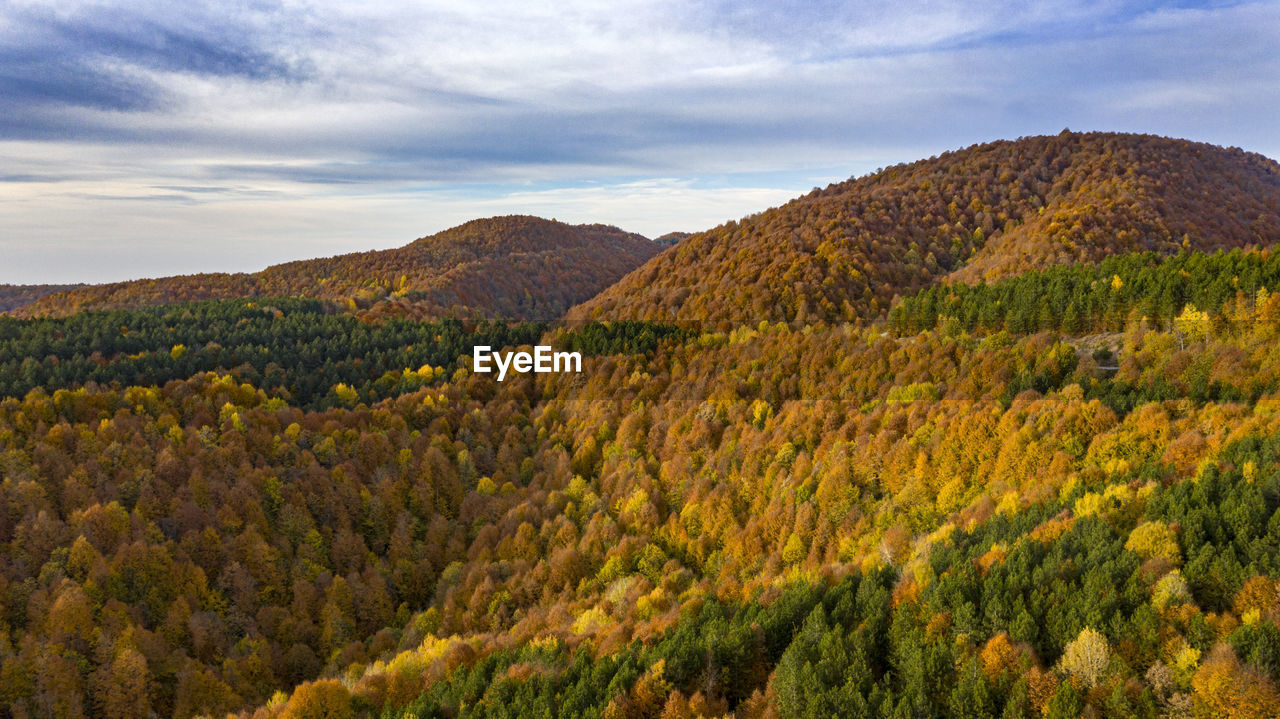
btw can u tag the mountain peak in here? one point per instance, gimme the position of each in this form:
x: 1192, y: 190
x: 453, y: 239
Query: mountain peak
x: 980, y: 213
x: 514, y: 266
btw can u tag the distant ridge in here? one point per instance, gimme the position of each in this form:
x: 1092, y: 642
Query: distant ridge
x: 672, y: 238
x: 15, y: 296
x: 514, y: 266
x: 988, y: 211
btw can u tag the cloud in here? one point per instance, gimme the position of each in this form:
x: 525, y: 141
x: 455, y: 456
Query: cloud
x: 58, y: 61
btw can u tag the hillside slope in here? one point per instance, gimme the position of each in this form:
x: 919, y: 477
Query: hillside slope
x: 769, y: 522
x: 512, y: 266
x: 15, y: 296
x: 984, y: 212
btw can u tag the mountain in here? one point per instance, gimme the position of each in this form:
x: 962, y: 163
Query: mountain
x: 1051, y: 494
x: 985, y: 212
x: 671, y: 238
x: 15, y: 296
x: 513, y: 266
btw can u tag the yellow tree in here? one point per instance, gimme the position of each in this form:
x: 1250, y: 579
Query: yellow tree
x: 129, y: 692
x: 1225, y: 689
x: 1150, y: 540
x: 327, y: 699
x: 1087, y: 657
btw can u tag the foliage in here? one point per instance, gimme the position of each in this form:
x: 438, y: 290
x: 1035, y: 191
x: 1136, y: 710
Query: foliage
x: 974, y: 215
x: 521, y: 267
x: 299, y: 349
x: 15, y: 296
x: 1190, y: 292
x: 1086, y: 657
x: 762, y: 520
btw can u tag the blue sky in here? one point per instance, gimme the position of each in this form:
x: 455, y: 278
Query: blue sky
x: 147, y: 138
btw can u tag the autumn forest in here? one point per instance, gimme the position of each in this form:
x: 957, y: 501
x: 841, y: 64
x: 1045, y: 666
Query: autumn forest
x: 991, y: 434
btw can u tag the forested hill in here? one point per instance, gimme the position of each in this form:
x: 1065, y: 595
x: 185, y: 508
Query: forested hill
x: 14, y: 296
x: 981, y: 213
x: 513, y: 266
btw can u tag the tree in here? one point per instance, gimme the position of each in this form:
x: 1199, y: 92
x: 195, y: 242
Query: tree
x: 326, y: 699
x: 129, y: 691
x: 1087, y: 657
x: 1066, y: 703
x: 337, y: 617
x: 1225, y: 689
x: 1192, y: 323
x: 200, y: 691
x: 971, y: 699
x: 1150, y: 540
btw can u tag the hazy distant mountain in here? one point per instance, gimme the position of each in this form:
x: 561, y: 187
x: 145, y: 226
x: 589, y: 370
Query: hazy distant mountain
x: 671, y: 238
x: 14, y: 296
x: 512, y: 266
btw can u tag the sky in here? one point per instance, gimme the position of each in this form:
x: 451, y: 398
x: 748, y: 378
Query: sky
x: 144, y: 138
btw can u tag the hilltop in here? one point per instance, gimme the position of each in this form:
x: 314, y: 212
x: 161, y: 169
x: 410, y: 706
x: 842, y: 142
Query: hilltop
x: 14, y: 296
x: 982, y: 213
x: 515, y: 266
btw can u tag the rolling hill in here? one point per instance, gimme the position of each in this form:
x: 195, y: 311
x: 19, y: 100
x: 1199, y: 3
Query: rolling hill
x: 513, y: 266
x: 985, y: 212
x: 15, y: 296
